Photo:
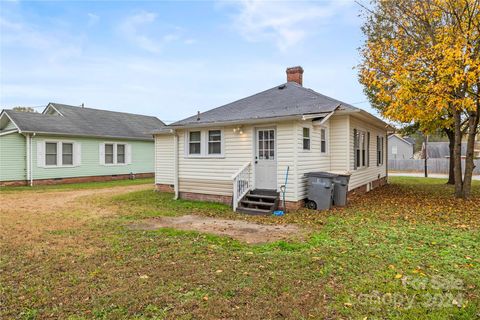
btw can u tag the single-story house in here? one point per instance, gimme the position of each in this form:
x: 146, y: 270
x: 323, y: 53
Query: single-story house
x: 441, y: 150
x: 400, y: 147
x: 235, y: 153
x: 66, y: 144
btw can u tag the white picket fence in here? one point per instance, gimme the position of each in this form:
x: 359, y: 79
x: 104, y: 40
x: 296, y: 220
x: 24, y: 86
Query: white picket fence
x: 418, y: 165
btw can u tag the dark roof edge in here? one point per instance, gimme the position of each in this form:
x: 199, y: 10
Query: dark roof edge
x: 232, y: 122
x: 87, y: 135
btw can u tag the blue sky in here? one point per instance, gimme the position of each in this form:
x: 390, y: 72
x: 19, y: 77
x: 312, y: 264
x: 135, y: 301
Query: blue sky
x: 170, y: 59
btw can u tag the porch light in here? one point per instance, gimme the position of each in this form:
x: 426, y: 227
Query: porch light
x: 238, y: 130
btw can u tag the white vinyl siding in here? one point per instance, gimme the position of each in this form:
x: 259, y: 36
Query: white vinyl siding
x: 164, y: 159
x: 364, y: 175
x: 339, y: 143
x: 308, y: 161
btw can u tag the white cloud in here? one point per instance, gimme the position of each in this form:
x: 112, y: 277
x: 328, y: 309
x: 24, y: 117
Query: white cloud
x: 92, y: 19
x: 144, y: 30
x: 131, y: 29
x: 56, y: 45
x: 284, y: 23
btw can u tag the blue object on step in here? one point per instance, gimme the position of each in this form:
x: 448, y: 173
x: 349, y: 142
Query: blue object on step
x: 278, y: 213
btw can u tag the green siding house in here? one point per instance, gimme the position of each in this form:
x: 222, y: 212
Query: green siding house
x: 73, y: 144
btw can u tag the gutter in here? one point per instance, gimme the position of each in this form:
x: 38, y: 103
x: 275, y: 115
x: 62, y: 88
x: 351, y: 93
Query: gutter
x: 236, y: 122
x: 86, y: 135
x: 31, y: 160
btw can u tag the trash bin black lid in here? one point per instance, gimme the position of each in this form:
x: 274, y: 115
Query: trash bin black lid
x: 321, y: 174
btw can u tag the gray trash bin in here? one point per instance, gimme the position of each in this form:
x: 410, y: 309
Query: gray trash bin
x: 341, y: 189
x: 320, y: 190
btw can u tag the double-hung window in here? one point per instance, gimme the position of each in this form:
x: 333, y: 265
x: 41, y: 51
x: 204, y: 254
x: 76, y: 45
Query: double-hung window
x: 112, y: 153
x: 204, y: 143
x: 323, y: 140
x: 51, y: 153
x: 380, y: 141
x: 306, y: 138
x: 67, y: 154
x: 195, y: 142
x: 120, y: 153
x: 109, y: 153
x: 360, y: 149
x: 214, y: 142
x: 58, y: 153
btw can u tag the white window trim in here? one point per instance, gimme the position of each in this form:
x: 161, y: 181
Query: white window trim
x: 381, y: 140
x: 59, y: 154
x: 115, y: 154
x: 362, y: 165
x: 204, y: 144
x: 327, y: 147
x: 309, y: 138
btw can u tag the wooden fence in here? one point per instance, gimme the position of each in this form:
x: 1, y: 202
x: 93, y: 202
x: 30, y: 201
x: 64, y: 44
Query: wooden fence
x: 418, y: 165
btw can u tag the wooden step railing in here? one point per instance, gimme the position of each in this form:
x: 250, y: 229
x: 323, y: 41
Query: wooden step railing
x: 241, y: 183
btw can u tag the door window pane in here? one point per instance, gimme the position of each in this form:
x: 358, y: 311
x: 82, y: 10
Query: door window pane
x: 51, y: 154
x: 120, y: 153
x: 67, y: 153
x: 109, y: 153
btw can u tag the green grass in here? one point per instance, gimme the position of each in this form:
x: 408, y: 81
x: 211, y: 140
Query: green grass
x: 406, y: 251
x: 77, y: 186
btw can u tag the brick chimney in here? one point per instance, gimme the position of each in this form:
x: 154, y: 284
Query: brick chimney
x: 295, y: 74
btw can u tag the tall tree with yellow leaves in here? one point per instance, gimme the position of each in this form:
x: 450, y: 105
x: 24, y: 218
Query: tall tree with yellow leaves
x: 421, y: 64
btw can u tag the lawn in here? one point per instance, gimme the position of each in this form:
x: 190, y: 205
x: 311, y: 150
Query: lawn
x: 405, y: 251
x: 78, y: 186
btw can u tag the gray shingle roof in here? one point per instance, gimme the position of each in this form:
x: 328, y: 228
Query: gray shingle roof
x: 289, y: 99
x: 87, y: 122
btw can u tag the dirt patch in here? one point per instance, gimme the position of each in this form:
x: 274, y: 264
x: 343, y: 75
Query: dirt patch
x: 40, y: 202
x: 249, y: 232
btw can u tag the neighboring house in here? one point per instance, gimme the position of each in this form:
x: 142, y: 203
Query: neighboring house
x: 400, y: 147
x: 439, y: 150
x: 72, y: 144
x: 225, y: 153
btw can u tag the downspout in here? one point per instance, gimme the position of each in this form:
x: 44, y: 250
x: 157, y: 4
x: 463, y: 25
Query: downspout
x: 31, y: 159
x: 27, y: 160
x: 175, y: 166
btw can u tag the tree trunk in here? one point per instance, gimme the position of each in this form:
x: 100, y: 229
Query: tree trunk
x: 451, y: 144
x: 457, y: 155
x: 469, y: 164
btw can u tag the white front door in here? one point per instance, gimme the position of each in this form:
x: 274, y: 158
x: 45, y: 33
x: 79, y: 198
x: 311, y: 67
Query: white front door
x: 265, y: 159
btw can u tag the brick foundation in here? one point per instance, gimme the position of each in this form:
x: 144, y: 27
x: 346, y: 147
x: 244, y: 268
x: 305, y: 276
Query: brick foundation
x: 364, y: 188
x: 292, y: 205
x: 39, y: 182
x: 16, y: 183
x: 206, y: 197
x: 164, y: 187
